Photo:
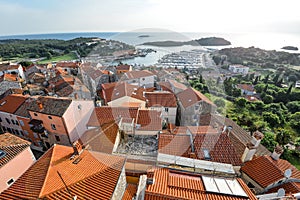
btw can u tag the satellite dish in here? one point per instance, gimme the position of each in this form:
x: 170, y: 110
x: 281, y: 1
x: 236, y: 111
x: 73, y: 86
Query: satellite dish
x: 288, y: 173
x: 281, y: 192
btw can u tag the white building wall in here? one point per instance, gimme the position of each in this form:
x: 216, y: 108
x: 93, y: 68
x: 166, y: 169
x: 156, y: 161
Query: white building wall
x: 76, y: 117
x: 15, y: 168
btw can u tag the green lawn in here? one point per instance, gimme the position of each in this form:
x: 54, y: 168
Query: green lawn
x: 66, y: 57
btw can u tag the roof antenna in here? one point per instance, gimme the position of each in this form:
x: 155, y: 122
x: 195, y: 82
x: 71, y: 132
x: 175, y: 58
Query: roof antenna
x: 60, y: 176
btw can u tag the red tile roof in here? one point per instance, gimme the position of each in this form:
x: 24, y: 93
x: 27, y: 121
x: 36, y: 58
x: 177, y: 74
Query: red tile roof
x: 247, y: 87
x: 123, y: 67
x: 12, y: 146
x: 10, y: 77
x: 113, y: 91
x: 238, y: 136
x: 101, y: 139
x: 137, y: 74
x: 177, y: 185
x: 11, y: 103
x: 130, y: 192
x: 158, y: 99
x: 178, y: 145
x: 106, y: 114
x: 256, y: 170
x: 177, y: 85
x: 91, y: 175
x: 149, y: 120
x: 219, y: 146
x: 68, y: 64
x: 191, y: 96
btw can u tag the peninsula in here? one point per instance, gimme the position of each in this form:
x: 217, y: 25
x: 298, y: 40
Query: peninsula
x: 209, y: 41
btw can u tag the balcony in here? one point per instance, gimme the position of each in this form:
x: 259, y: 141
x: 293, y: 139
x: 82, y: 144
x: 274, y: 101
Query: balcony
x: 37, y: 126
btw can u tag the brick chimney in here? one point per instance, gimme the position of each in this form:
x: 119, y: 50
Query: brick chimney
x: 277, y: 152
x: 251, y: 146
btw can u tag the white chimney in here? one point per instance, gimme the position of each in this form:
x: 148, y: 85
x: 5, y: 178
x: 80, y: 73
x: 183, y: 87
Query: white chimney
x: 277, y: 152
x: 251, y: 146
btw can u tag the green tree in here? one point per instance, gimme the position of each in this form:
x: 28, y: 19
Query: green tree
x: 269, y: 141
x: 241, y: 102
x: 266, y: 79
x: 295, y: 121
x: 293, y: 106
x: 272, y: 119
x: 267, y: 99
x: 283, y: 136
x: 220, y: 102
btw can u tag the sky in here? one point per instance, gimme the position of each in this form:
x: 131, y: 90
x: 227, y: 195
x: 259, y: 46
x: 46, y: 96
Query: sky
x: 225, y: 16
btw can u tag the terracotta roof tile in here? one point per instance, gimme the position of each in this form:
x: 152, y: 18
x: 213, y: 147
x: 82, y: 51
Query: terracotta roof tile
x: 256, y: 170
x: 106, y: 114
x: 158, y: 99
x: 11, y: 103
x: 191, y: 96
x: 238, y: 135
x: 149, y: 120
x: 10, y: 77
x: 68, y: 64
x: 137, y: 74
x: 179, y: 185
x: 177, y: 85
x: 178, y: 145
x: 12, y: 146
x: 130, y: 192
x: 94, y: 175
x: 113, y: 91
x: 101, y: 139
x: 123, y: 67
x: 247, y: 87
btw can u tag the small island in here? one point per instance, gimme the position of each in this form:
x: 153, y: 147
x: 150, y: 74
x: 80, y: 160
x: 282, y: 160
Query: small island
x: 210, y: 41
x: 292, y: 48
x: 143, y: 36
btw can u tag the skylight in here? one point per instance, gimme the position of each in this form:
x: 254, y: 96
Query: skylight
x: 2, y: 154
x: 223, y: 186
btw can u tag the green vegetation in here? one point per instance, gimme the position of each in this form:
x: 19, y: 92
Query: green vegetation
x: 65, y: 57
x: 210, y: 41
x: 15, y: 49
x: 277, y: 115
x: 258, y: 58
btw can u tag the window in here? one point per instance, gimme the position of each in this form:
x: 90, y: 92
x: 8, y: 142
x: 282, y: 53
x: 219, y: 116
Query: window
x: 21, y: 122
x: 10, y: 182
x: 143, y: 79
x: 12, y: 121
x: 7, y: 120
x: 13, y: 131
x: 26, y: 133
x: 35, y: 114
x: 2, y: 154
x: 166, y: 109
x: 0, y: 119
x: 57, y: 138
x: 9, y: 130
x: 17, y: 132
x: 16, y: 122
x: 4, y: 128
x: 35, y: 135
x: 22, y: 133
x: 53, y: 126
x: 49, y: 117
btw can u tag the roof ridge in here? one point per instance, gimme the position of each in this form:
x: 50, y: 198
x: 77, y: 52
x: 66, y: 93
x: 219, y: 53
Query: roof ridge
x: 47, y: 174
x: 272, y: 162
x: 89, y: 177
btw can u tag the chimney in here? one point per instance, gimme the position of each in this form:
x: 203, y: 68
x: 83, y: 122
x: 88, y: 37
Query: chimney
x: 40, y: 104
x: 251, y: 146
x: 277, y: 152
x: 77, y: 147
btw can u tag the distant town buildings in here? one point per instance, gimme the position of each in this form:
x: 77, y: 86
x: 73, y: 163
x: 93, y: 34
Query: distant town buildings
x: 240, y: 69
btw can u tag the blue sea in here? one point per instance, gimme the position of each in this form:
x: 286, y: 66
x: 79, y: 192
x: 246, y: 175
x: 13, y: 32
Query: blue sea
x: 268, y: 41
